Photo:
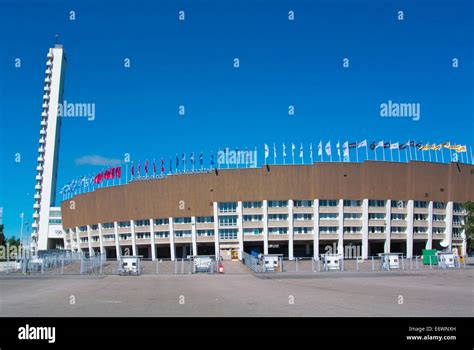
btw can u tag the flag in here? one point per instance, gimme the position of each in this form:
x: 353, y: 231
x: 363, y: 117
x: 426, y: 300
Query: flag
x: 301, y: 150
x: 379, y: 144
x: 98, y: 177
x: 201, y: 157
x: 266, y: 152
x: 311, y: 151
x: 171, y: 166
x: 404, y: 145
x: 353, y: 145
x: 133, y: 170
x: 146, y: 167
x: 191, y: 158
x: 338, y: 149
x: 362, y: 144
x: 284, y: 151
x: 212, y: 159
x: 328, y: 148
x: 386, y: 145
x: 177, y: 161
x: 373, y: 145
x: 162, y: 165
x: 183, y: 158
x: 320, y: 148
x: 345, y: 149
x: 118, y: 172
x: 460, y: 148
x: 154, y: 167
x: 274, y: 152
x: 112, y: 175
x: 394, y: 145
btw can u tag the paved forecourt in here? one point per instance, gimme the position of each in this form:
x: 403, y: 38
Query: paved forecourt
x: 382, y: 293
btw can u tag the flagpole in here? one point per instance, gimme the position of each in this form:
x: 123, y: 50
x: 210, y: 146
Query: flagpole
x: 399, y: 153
x: 391, y: 152
x: 429, y: 151
x: 472, y: 159
x: 21, y: 228
x: 366, y: 151
x: 406, y: 153
x: 357, y: 152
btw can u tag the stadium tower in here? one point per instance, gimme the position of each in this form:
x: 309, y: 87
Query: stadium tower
x: 46, y: 226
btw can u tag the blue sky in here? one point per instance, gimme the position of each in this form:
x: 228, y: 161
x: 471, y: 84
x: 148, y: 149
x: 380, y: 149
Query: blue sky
x: 190, y: 63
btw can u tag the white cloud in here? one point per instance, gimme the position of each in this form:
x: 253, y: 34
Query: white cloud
x: 95, y: 159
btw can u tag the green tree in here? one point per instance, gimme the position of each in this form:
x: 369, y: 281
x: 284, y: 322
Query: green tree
x: 468, y: 225
x: 13, y: 241
x: 2, y: 236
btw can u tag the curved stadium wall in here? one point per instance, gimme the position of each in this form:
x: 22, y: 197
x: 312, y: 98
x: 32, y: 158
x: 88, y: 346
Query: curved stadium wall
x: 294, y: 210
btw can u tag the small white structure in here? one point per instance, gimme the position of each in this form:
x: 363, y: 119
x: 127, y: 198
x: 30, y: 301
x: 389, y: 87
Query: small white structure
x: 332, y: 262
x: 446, y: 260
x: 389, y: 261
x: 129, y: 265
x: 271, y: 262
x: 203, y: 263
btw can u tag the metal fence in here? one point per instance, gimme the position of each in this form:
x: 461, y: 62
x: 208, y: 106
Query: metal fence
x: 80, y: 264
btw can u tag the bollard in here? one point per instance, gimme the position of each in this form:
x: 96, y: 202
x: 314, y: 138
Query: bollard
x: 342, y: 265
x: 296, y: 262
x: 62, y: 266
x: 157, y: 267
x: 403, y: 264
x: 373, y: 264
x: 319, y: 265
x: 416, y: 262
x: 182, y: 266
x: 357, y: 264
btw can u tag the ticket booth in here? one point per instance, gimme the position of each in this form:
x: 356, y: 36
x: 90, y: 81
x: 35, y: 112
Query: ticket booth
x: 204, y: 264
x: 446, y: 260
x: 271, y: 262
x: 129, y: 265
x: 389, y: 261
x: 332, y: 262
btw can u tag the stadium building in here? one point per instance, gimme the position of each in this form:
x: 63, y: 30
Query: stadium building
x: 294, y: 210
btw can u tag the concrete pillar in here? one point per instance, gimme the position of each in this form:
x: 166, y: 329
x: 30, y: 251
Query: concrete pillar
x: 265, y: 226
x: 429, y: 242
x: 365, y: 228
x: 78, y: 240
x: 449, y: 225
x: 216, y: 231
x: 134, y: 241
x: 340, y: 239
x: 388, y: 225
x: 172, y: 247
x: 240, y: 226
x: 152, y: 240
x: 409, y: 243
x: 290, y: 230
x: 194, y: 235
x: 89, y: 240
x: 117, y: 242
x: 101, y: 239
x: 316, y: 229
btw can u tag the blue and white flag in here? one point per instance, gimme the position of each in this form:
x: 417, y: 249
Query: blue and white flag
x: 345, y: 149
